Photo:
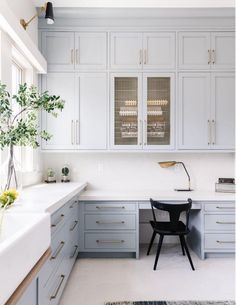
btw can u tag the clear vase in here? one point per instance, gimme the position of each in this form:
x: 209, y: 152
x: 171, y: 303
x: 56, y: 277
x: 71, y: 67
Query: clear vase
x: 11, y: 172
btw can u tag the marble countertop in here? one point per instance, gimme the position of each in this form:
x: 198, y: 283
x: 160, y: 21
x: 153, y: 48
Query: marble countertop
x: 47, y: 197
x: 154, y: 194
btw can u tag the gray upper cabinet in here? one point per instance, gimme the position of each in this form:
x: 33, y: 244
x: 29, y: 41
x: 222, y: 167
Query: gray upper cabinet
x: 194, y: 110
x: 137, y: 51
x: 90, y: 51
x: 69, y: 51
x: 206, y: 50
x: 159, y: 50
x: 58, y: 49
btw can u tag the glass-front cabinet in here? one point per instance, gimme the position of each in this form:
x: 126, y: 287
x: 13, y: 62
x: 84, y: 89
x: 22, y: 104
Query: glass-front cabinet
x: 142, y: 111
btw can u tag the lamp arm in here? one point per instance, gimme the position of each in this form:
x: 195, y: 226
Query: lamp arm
x: 25, y: 24
x: 189, y: 181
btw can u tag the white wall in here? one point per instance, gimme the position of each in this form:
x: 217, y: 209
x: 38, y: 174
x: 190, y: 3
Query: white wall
x: 140, y: 171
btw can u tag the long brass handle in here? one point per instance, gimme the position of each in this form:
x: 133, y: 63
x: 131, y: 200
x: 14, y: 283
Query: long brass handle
x: 62, y: 243
x: 76, y: 247
x: 77, y: 132
x: 225, y: 222
x: 59, y: 220
x: 75, y: 224
x: 225, y: 242
x: 73, y: 204
x: 213, y: 132
x: 77, y: 56
x: 104, y: 207
x: 145, y: 132
x: 110, y: 241
x: 225, y: 208
x: 209, y: 132
x: 141, y: 128
x: 109, y: 222
x: 72, y: 56
x: 140, y: 56
x: 145, y: 56
x: 209, y: 56
x: 58, y: 288
x: 213, y: 56
x: 72, y: 132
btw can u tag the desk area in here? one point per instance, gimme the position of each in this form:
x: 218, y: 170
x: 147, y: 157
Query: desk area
x: 109, y: 221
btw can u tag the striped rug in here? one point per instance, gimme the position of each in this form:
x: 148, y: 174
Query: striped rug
x: 173, y: 303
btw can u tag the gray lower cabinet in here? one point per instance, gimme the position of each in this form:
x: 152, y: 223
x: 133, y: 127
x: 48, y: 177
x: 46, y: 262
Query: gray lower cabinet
x: 108, y: 227
x: 30, y: 296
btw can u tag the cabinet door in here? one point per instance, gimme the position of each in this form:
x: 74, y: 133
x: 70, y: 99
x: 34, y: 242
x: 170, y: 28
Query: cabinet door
x: 194, y: 110
x: 223, y: 111
x: 126, y: 50
x: 223, y: 50
x: 90, y: 51
x: 126, y: 98
x: 92, y: 125
x: 58, y: 49
x: 158, y: 110
x: 62, y: 128
x: 194, y: 50
x: 159, y: 50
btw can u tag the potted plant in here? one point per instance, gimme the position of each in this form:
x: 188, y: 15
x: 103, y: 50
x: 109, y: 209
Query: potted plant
x: 65, y: 174
x: 21, y: 128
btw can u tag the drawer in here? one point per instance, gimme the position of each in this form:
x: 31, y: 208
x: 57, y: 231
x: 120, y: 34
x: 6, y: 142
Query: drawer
x: 110, y: 222
x: 73, y: 208
x: 110, y: 241
x: 220, y: 241
x: 58, y: 219
x: 220, y: 222
x: 220, y: 207
x: 116, y: 207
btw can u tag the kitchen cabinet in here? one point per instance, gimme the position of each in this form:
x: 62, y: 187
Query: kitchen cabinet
x: 142, y: 110
x: 30, y: 296
x: 206, y: 110
x: 62, y: 127
x: 142, y: 50
x: 71, y: 51
x: 82, y: 124
x: 206, y: 50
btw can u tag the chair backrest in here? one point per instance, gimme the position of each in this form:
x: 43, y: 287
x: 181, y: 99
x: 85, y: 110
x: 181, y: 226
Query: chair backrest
x: 174, y: 211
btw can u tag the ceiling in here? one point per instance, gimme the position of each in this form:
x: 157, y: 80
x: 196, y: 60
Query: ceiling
x: 139, y: 3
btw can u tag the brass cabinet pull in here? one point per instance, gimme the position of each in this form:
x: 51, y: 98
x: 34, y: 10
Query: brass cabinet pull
x: 77, y: 56
x: 141, y: 129
x: 72, y: 56
x: 145, y: 56
x: 225, y: 222
x: 109, y: 222
x: 62, y: 243
x: 75, y: 224
x: 213, y: 132
x: 59, y: 220
x: 76, y: 247
x: 145, y: 132
x: 104, y: 207
x: 225, y: 208
x: 77, y: 132
x: 110, y: 241
x: 225, y: 242
x: 140, y: 56
x: 72, y: 132
x: 73, y: 204
x: 209, y: 132
x: 58, y: 288
x: 209, y: 57
x: 213, y: 56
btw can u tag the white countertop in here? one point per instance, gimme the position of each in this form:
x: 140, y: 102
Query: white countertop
x: 91, y: 195
x: 47, y: 197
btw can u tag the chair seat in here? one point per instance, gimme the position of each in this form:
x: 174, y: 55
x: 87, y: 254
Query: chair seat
x: 164, y: 227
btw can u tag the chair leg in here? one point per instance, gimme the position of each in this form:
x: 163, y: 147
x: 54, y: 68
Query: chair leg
x: 187, y: 251
x: 151, y: 242
x: 182, y: 246
x: 158, y: 251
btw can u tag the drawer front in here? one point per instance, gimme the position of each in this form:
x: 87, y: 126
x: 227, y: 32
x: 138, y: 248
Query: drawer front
x: 58, y: 219
x: 110, y: 222
x: 102, y: 207
x: 220, y: 222
x: 220, y: 241
x: 73, y: 208
x: 110, y: 241
x: 220, y: 207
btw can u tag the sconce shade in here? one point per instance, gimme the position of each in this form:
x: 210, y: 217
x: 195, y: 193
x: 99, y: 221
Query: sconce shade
x: 49, y: 13
x: 166, y: 164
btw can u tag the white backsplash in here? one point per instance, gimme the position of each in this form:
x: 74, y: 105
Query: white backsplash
x: 140, y: 171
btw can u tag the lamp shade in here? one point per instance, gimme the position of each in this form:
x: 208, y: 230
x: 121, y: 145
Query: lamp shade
x: 166, y: 164
x: 49, y: 13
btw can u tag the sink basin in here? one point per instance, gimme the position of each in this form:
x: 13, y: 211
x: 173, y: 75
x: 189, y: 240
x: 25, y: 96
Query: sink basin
x: 24, y: 238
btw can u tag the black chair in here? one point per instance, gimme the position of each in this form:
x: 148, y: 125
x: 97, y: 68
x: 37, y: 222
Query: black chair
x: 172, y: 227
